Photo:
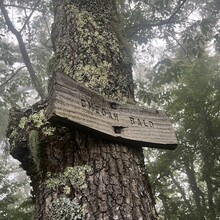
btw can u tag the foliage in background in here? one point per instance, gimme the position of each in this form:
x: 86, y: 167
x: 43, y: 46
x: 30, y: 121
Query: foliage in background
x: 16, y: 89
x: 185, y: 81
x: 32, y: 20
x: 191, y: 173
x: 15, y: 201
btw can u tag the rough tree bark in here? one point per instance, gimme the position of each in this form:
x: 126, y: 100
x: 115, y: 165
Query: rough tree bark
x: 77, y: 175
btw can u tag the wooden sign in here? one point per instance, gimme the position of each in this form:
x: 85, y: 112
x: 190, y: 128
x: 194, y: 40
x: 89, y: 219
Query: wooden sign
x: 76, y: 105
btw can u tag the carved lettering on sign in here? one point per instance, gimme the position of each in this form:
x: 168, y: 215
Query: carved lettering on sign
x: 99, y: 110
x: 114, y: 116
x: 141, y: 122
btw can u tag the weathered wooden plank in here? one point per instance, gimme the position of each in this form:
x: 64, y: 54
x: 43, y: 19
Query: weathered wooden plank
x: 75, y: 105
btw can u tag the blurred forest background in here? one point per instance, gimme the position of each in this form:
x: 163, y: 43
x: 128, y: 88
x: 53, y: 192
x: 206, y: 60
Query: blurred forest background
x: 176, y: 45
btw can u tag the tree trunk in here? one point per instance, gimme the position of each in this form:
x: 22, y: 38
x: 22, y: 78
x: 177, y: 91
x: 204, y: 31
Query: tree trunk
x: 208, y: 166
x: 91, y: 179
x: 207, y: 172
x: 77, y: 175
x: 90, y: 47
x: 197, y: 194
x: 167, y: 209
x: 182, y: 192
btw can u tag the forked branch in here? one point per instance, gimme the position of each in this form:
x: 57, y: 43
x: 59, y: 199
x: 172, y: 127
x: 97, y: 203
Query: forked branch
x: 37, y: 85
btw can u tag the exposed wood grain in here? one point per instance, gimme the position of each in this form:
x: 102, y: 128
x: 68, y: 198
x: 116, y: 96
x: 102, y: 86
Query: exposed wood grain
x: 75, y: 105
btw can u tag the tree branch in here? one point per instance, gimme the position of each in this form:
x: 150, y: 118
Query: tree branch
x: 17, y: 6
x: 23, y: 51
x: 131, y: 31
x: 177, y: 9
x: 12, y: 76
x: 187, y: 55
x: 29, y: 17
x: 144, y: 25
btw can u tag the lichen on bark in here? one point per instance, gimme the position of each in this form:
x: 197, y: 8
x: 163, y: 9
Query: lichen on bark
x: 35, y: 148
x: 64, y: 208
x: 75, y: 176
x: 91, y: 49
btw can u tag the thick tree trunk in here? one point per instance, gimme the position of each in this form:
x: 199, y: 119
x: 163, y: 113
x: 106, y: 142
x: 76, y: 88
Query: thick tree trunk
x: 90, y: 47
x: 91, y: 179
x: 76, y: 175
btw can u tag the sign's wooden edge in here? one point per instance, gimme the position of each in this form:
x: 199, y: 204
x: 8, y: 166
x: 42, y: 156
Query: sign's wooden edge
x: 97, y: 134
x: 67, y: 82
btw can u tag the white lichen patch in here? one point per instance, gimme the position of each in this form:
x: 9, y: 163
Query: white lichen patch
x: 64, y: 208
x: 97, y: 79
x: 35, y: 125
x: 37, y: 120
x: 48, y: 131
x: 71, y: 175
x: 23, y: 122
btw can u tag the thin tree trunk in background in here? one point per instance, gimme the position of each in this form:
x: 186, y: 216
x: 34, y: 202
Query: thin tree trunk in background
x: 211, y: 204
x: 182, y: 192
x: 197, y: 194
x: 207, y: 174
x: 208, y: 166
x: 166, y: 207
